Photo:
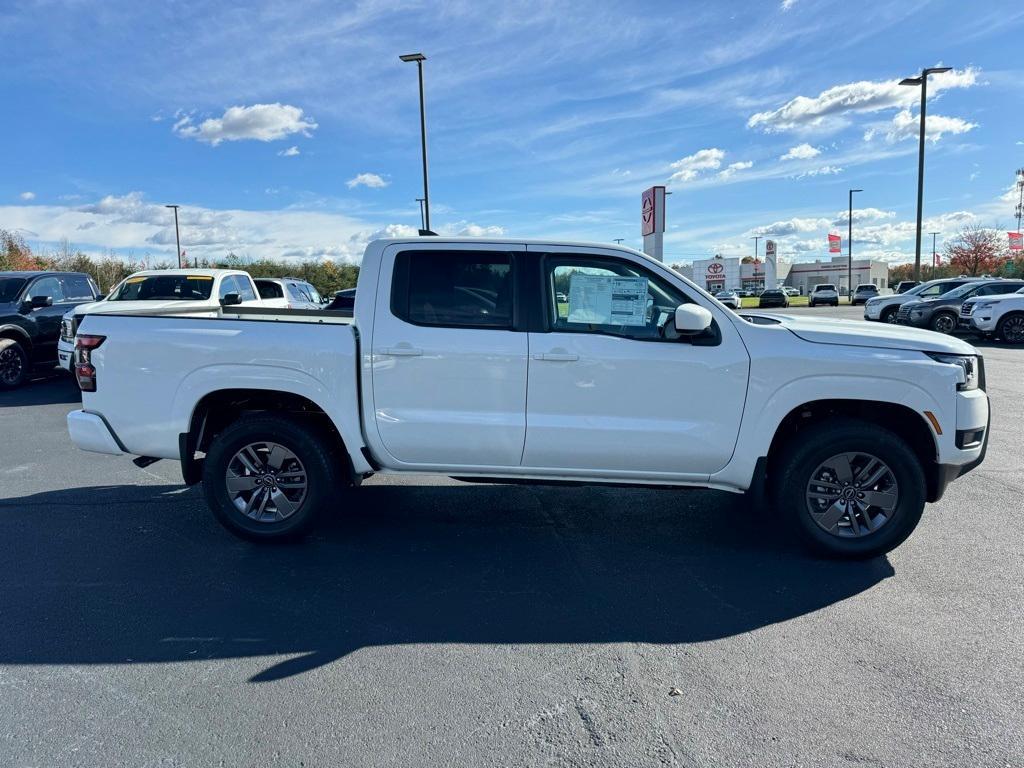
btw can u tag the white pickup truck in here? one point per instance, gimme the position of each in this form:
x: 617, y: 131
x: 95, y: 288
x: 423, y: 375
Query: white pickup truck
x: 541, y: 362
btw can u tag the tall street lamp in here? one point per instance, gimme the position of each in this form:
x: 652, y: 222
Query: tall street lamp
x: 419, y: 58
x: 423, y: 224
x: 177, y: 236
x: 923, y: 82
x: 849, y: 248
x: 934, y: 235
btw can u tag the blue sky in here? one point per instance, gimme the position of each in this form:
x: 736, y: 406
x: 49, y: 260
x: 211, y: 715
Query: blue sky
x: 290, y: 128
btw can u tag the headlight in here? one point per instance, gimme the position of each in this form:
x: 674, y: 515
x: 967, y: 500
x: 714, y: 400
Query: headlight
x: 983, y: 305
x: 969, y: 364
x: 66, y: 334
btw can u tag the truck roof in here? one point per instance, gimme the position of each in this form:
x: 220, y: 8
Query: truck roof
x: 39, y: 273
x: 428, y: 240
x: 186, y: 271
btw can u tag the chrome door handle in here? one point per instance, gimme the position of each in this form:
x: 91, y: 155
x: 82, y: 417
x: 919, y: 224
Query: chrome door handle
x: 564, y: 357
x: 401, y: 351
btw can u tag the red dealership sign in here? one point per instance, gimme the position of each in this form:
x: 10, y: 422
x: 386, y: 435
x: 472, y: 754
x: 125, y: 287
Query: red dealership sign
x: 834, y: 244
x: 1016, y: 241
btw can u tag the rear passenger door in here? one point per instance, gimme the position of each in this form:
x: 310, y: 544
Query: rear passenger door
x: 448, y: 367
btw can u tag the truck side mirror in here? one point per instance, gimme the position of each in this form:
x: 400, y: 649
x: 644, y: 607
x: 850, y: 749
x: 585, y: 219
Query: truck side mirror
x: 692, y: 319
x: 230, y: 299
x: 37, y: 302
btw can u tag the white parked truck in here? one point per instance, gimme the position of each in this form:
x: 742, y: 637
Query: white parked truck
x: 154, y: 291
x: 522, y: 361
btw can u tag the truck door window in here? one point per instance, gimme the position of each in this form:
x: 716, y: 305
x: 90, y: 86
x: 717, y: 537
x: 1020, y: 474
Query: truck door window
x: 46, y: 286
x: 608, y: 296
x: 244, y: 286
x: 463, y: 289
x: 77, y: 288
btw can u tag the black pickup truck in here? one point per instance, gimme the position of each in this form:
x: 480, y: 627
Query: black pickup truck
x: 32, y: 305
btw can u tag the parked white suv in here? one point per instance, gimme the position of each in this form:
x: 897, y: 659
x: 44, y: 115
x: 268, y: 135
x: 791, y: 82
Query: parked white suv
x: 996, y: 316
x: 461, y: 361
x: 288, y: 293
x: 825, y: 293
x: 156, y: 291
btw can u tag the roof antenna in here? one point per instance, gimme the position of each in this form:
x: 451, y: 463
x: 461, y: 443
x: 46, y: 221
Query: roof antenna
x: 427, y: 232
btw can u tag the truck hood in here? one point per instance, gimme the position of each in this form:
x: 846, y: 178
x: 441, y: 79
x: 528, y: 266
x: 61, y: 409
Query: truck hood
x: 141, y: 307
x: 858, y: 333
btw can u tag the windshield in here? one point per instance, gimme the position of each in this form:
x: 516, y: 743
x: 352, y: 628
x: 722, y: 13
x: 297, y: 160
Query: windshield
x: 10, y: 287
x: 164, y: 288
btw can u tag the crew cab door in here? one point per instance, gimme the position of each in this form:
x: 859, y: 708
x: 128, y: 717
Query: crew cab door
x: 47, y: 319
x: 609, y: 393
x: 448, y: 370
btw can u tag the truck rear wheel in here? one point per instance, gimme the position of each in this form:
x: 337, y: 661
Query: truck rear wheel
x: 14, y: 365
x: 269, y: 477
x: 849, y: 489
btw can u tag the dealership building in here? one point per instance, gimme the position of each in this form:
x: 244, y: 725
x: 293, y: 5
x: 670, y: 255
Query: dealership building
x: 806, y: 275
x: 731, y: 273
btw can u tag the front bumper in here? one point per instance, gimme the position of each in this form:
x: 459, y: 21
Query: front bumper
x: 90, y: 432
x: 983, y: 321
x: 968, y: 409
x: 66, y: 355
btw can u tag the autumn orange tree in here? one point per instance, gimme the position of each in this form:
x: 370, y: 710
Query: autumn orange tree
x: 976, y: 250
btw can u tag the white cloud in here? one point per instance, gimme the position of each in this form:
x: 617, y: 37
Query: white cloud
x: 371, y: 180
x: 863, y: 214
x: 732, y: 168
x: 825, y: 170
x: 260, y: 122
x: 27, y: 195
x: 691, y: 166
x: 787, y: 4
x: 290, y: 152
x: 906, y: 125
x: 791, y: 227
x: 801, y: 152
x: 832, y: 104
x: 468, y: 229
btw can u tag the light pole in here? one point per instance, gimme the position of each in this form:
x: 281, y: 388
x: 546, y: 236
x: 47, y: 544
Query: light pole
x: 1020, y: 203
x: 934, y: 235
x: 177, y: 236
x: 618, y: 240
x: 419, y: 58
x: 423, y: 224
x: 849, y: 248
x: 923, y: 82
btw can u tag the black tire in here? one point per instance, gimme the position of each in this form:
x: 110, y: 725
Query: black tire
x: 888, y: 315
x: 325, y: 473
x: 794, y: 469
x: 1009, y: 323
x: 943, y: 322
x: 811, y: 304
x: 14, y: 364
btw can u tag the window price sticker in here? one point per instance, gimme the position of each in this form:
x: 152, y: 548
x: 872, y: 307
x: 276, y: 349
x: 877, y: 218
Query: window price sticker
x: 607, y: 300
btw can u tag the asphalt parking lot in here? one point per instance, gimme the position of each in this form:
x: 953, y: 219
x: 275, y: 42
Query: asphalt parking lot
x: 479, y: 625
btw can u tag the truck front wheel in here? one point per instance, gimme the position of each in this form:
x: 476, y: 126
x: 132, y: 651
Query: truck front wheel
x: 14, y: 365
x: 268, y: 477
x: 849, y: 489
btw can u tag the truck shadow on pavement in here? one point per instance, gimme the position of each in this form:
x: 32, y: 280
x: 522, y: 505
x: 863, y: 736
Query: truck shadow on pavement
x: 50, y: 390
x: 141, y: 574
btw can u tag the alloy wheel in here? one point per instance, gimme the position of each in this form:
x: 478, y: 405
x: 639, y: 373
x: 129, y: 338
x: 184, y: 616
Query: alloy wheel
x: 852, y: 495
x: 1013, y: 330
x: 11, y: 366
x: 266, y: 482
x: 944, y: 323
